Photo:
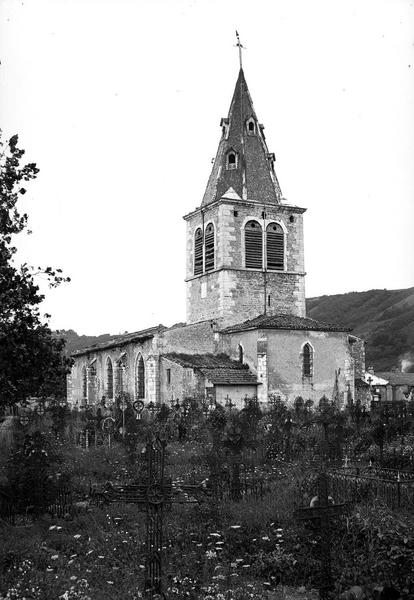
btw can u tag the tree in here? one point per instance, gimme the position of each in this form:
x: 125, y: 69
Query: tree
x: 31, y: 357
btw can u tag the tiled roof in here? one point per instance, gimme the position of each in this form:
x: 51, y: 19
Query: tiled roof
x: 230, y: 376
x: 218, y: 368
x: 284, y: 322
x: 397, y: 377
x: 121, y: 340
x: 254, y: 178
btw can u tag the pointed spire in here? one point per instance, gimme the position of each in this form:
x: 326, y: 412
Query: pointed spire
x: 243, y: 161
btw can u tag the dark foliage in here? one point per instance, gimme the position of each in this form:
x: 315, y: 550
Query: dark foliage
x: 31, y: 359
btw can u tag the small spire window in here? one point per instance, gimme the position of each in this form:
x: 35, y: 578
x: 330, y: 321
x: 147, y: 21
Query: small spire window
x: 231, y: 162
x: 253, y: 245
x: 209, y: 247
x: 275, y: 247
x: 198, y: 252
x: 251, y: 126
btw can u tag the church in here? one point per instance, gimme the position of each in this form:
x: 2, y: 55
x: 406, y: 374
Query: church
x: 246, y: 332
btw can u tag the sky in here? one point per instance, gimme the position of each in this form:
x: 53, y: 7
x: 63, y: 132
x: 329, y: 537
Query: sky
x: 119, y: 104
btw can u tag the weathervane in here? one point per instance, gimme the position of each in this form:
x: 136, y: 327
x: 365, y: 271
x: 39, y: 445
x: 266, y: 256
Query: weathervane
x: 239, y: 46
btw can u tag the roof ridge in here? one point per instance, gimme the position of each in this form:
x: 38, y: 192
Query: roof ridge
x: 284, y: 321
x: 120, y: 339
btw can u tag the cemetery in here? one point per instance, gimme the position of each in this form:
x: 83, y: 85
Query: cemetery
x: 246, y: 452
x: 206, y: 502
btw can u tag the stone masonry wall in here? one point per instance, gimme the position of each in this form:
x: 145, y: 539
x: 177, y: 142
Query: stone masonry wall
x: 358, y: 354
x: 197, y: 338
x: 184, y: 382
x: 132, y: 351
x: 284, y: 361
x: 231, y: 292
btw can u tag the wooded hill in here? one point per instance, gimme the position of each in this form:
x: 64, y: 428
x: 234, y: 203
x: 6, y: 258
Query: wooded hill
x: 384, y: 318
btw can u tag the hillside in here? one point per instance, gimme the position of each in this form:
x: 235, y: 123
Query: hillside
x: 384, y: 318
x: 77, y: 342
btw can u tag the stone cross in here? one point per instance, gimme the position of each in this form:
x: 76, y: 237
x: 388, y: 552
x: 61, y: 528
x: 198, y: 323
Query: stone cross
x: 322, y: 509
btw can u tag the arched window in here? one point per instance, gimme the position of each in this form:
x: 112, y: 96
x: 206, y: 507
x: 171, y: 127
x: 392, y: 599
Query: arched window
x: 198, y: 252
x: 109, y: 379
x: 119, y: 383
x: 253, y: 244
x: 84, y: 383
x: 241, y: 353
x: 209, y: 247
x: 275, y: 247
x: 307, y: 360
x: 139, y: 378
x: 231, y: 162
x: 92, y: 383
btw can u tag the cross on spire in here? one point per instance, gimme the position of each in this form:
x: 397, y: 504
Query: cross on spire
x: 240, y: 47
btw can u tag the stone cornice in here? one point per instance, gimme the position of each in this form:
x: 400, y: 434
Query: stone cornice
x: 299, y: 273
x: 248, y: 204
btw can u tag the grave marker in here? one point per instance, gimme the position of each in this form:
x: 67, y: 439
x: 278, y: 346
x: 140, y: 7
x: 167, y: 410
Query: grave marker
x: 322, y: 509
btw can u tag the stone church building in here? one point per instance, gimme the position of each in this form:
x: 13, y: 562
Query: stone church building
x: 246, y: 332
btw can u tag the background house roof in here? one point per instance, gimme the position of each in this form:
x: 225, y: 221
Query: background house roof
x: 397, y: 378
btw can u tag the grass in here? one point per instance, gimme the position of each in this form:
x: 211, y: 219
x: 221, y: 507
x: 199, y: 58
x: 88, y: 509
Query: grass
x: 239, y: 551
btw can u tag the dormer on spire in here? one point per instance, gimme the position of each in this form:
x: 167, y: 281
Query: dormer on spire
x: 243, y: 161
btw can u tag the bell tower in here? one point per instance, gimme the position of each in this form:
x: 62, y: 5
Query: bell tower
x: 245, y: 253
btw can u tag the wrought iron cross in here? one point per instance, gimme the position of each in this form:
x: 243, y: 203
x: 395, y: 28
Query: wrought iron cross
x: 152, y: 496
x: 322, y: 509
x: 240, y: 47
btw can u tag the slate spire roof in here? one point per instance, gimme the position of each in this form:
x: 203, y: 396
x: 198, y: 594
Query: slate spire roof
x: 253, y: 177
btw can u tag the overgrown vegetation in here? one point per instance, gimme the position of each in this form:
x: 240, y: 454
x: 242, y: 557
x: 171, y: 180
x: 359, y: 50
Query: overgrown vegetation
x: 252, y: 548
x: 31, y: 359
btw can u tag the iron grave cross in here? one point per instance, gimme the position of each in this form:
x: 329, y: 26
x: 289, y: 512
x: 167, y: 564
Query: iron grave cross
x: 153, y: 495
x: 323, y: 510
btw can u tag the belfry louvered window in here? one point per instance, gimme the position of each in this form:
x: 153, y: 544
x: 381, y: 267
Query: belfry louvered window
x: 198, y: 252
x: 109, y: 379
x: 209, y: 247
x: 275, y: 247
x: 253, y: 245
x: 307, y: 358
